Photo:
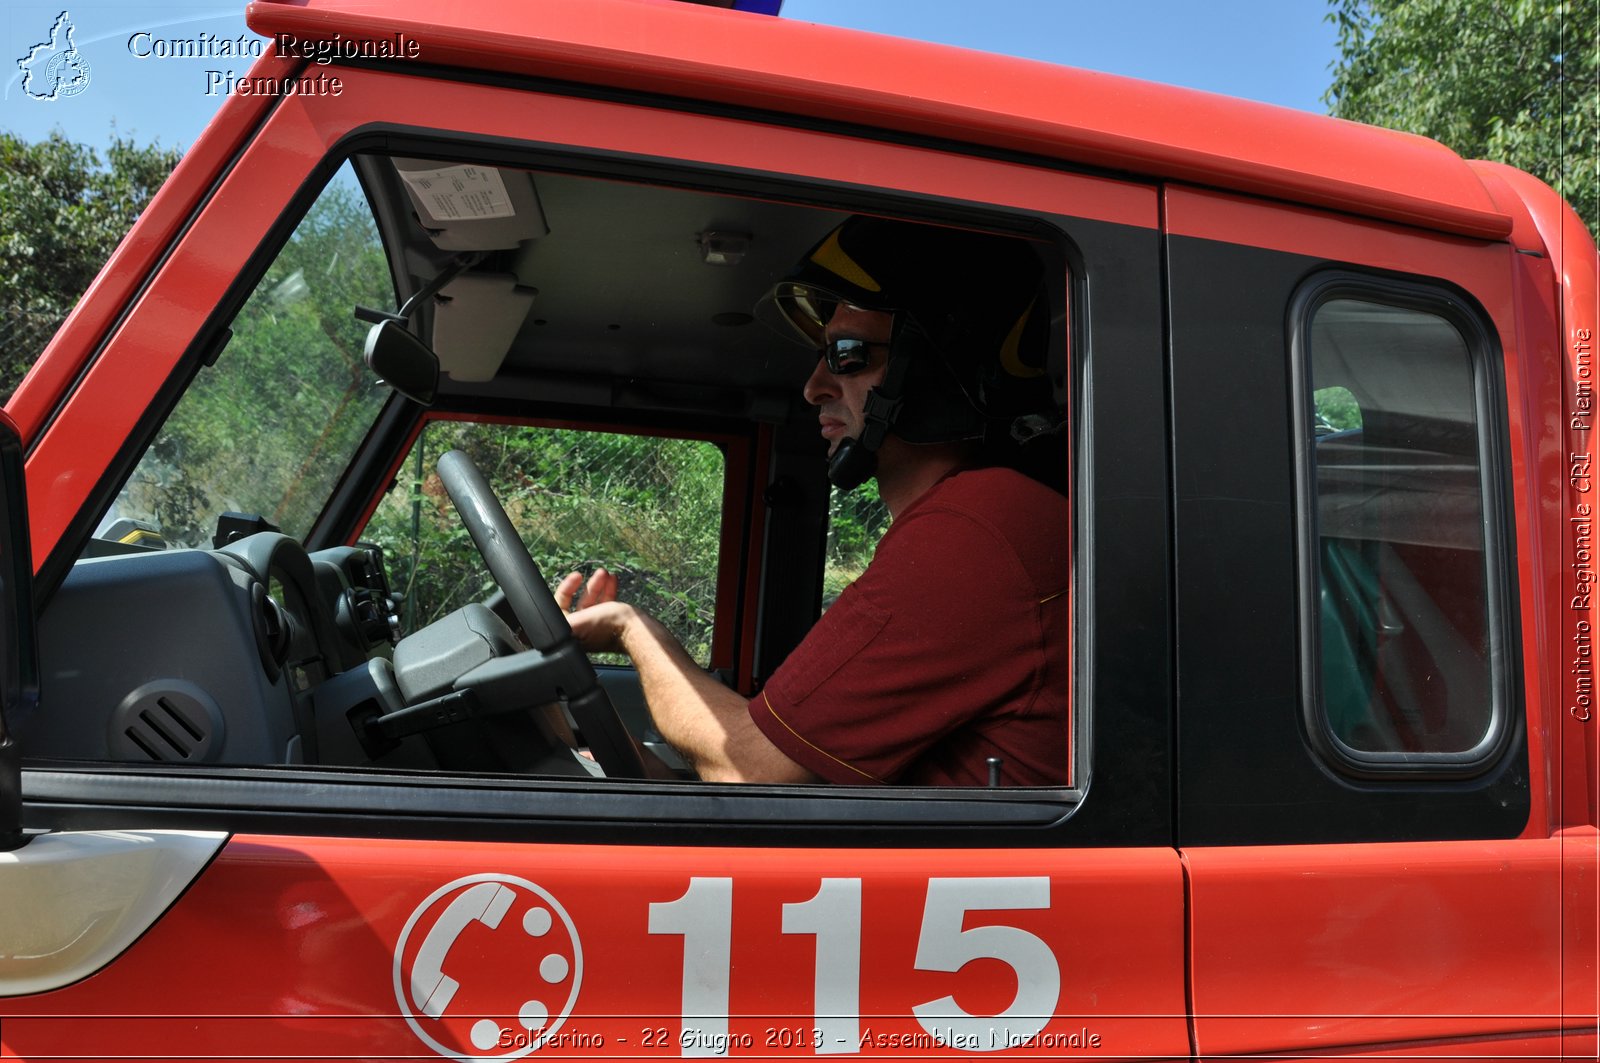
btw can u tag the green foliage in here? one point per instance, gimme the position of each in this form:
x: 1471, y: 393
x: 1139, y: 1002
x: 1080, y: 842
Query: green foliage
x: 1336, y: 410
x: 63, y: 210
x: 856, y: 521
x: 271, y: 426
x: 1517, y: 81
x: 647, y: 508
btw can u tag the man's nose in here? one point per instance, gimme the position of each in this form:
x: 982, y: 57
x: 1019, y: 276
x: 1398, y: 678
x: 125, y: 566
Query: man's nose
x: 821, y: 385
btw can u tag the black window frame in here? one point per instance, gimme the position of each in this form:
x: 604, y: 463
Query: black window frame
x: 79, y: 794
x: 1486, y: 365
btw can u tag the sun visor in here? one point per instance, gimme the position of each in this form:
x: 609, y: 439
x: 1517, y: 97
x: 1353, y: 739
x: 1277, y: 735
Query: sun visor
x: 473, y: 208
x: 475, y: 321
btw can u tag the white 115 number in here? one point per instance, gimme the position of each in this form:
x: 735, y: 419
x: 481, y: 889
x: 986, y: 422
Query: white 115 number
x: 703, y: 916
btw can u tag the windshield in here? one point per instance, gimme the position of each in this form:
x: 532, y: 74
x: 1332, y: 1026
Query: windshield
x: 270, y: 427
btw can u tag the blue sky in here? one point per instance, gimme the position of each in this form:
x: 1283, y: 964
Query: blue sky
x: 1277, y: 51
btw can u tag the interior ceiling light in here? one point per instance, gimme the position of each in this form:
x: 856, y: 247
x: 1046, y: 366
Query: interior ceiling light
x: 723, y: 249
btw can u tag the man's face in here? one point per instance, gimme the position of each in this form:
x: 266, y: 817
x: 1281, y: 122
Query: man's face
x: 840, y: 399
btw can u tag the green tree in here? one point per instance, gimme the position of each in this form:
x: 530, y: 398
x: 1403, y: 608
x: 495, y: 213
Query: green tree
x: 856, y: 521
x: 62, y: 211
x: 271, y: 426
x: 1517, y: 81
x: 649, y: 508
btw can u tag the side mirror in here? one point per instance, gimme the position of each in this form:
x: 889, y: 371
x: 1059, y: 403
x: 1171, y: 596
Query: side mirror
x: 19, y: 650
x: 402, y: 361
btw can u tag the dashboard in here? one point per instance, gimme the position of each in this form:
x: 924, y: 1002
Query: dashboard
x: 210, y: 656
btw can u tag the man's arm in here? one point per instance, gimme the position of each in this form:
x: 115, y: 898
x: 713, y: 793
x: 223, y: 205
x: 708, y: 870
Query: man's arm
x: 702, y: 719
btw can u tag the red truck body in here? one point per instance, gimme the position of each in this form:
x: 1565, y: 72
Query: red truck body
x: 1242, y: 865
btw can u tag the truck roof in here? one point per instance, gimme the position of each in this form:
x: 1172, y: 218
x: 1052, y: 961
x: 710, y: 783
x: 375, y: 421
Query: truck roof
x: 825, y: 74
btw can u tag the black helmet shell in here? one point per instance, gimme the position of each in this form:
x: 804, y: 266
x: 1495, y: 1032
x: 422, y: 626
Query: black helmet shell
x: 977, y: 313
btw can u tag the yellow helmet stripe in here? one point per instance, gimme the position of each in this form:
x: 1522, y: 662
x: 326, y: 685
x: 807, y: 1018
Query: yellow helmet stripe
x: 1010, y: 350
x: 833, y: 258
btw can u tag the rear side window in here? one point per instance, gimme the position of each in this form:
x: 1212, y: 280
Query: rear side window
x: 1401, y: 613
x: 647, y: 507
x: 856, y: 521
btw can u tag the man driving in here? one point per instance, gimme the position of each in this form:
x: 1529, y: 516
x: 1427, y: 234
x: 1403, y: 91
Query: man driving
x: 945, y: 663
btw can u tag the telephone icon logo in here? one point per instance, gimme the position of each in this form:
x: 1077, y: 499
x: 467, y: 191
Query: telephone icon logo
x: 487, y: 967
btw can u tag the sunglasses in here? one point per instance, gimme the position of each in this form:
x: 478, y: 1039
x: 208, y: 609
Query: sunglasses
x: 844, y: 357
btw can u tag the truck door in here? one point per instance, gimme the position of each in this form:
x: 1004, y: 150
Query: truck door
x: 1361, y: 555
x: 351, y: 909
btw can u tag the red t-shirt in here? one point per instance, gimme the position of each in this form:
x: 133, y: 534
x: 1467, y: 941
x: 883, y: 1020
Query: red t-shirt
x: 951, y: 648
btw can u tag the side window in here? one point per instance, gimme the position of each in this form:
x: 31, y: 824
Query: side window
x: 609, y: 303
x: 1400, y: 601
x: 856, y: 521
x: 270, y: 427
x: 647, y: 507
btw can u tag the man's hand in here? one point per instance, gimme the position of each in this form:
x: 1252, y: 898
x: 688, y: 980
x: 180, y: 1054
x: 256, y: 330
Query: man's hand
x: 701, y: 718
x: 602, y: 587
x: 597, y: 618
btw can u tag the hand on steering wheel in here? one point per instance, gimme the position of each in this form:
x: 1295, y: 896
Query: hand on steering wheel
x: 541, y: 616
x: 597, y: 629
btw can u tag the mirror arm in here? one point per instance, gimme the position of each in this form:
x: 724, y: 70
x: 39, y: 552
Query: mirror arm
x: 374, y: 316
x: 457, y: 266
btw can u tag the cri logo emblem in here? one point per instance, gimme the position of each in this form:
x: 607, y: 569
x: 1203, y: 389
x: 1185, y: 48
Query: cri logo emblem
x: 487, y: 967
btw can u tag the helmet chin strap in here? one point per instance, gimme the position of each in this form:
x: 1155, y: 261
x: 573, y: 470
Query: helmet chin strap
x: 852, y: 465
x: 855, y: 460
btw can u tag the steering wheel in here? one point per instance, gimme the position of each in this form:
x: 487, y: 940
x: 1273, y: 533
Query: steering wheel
x: 542, y: 619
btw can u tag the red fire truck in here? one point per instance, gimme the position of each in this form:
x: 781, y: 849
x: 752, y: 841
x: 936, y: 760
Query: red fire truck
x: 1326, y: 417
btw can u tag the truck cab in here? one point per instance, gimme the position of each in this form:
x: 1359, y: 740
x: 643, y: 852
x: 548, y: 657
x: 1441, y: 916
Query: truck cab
x: 309, y: 766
